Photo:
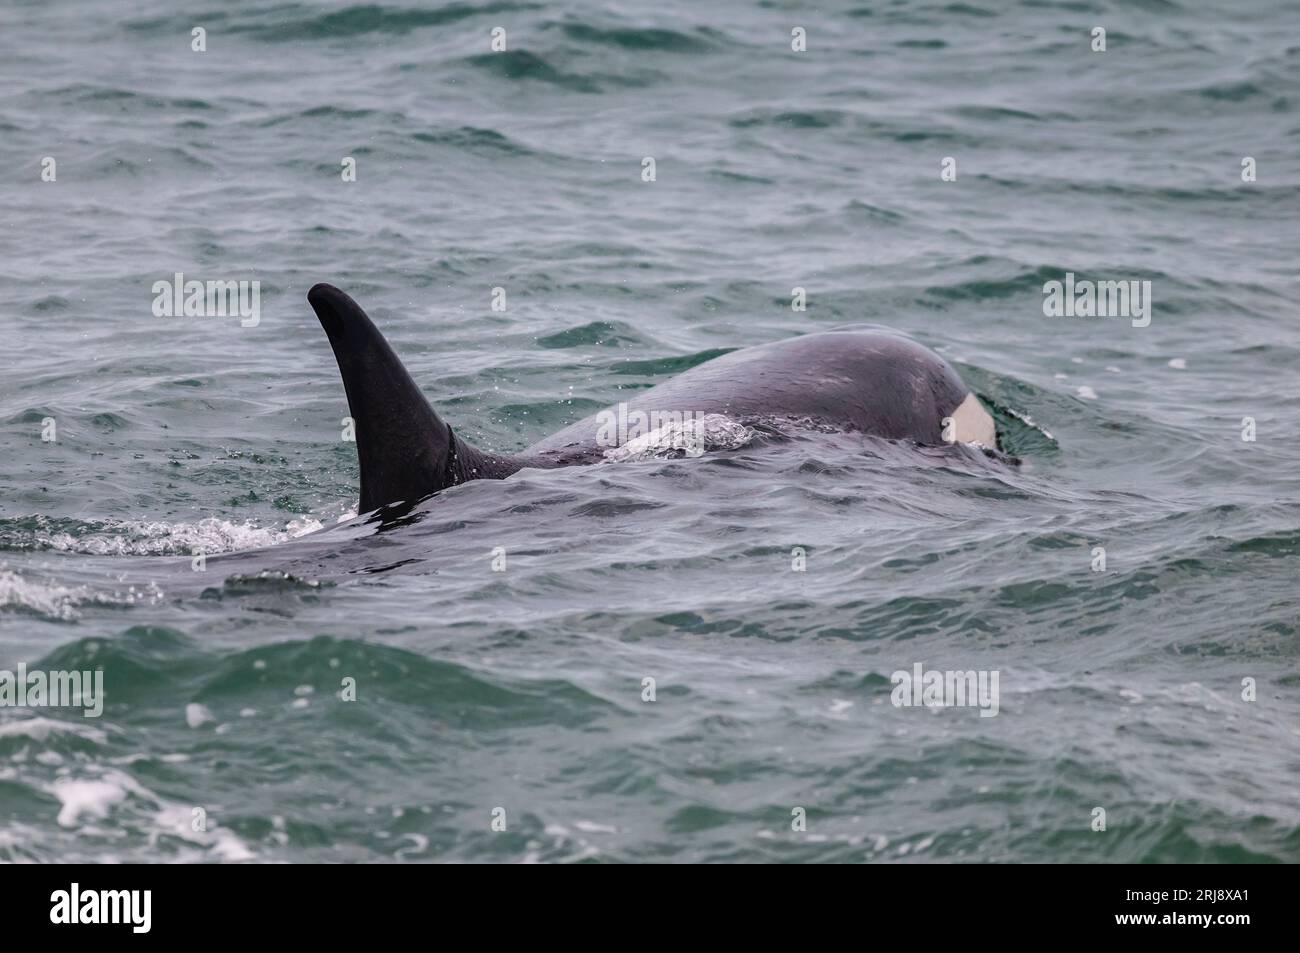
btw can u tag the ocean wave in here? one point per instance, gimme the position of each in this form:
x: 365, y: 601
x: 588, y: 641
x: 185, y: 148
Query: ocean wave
x: 518, y: 65
x: 52, y: 600
x: 474, y: 140
x: 207, y: 536
x: 701, y: 40
x: 295, y: 22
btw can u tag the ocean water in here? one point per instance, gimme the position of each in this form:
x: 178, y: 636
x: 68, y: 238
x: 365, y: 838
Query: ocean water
x: 769, y: 592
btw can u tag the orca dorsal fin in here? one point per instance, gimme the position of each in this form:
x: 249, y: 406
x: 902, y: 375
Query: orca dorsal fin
x: 405, y: 449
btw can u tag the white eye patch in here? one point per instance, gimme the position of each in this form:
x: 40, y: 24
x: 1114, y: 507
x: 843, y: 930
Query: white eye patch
x: 971, y: 423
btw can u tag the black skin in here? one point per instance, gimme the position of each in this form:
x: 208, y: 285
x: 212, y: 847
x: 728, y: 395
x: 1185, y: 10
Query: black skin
x: 872, y: 381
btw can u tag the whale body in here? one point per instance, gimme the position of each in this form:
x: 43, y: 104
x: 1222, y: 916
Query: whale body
x: 873, y: 381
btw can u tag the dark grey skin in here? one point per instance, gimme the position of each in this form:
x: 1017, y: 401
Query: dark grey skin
x: 871, y: 381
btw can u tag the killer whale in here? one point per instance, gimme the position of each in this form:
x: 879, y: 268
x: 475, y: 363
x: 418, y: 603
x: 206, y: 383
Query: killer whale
x: 876, y: 382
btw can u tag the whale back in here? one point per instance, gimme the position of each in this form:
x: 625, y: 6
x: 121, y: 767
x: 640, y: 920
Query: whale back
x: 874, y: 381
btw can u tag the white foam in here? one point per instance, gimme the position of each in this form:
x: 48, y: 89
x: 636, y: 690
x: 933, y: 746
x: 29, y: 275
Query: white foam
x: 685, y: 438
x: 91, y: 796
x: 61, y: 602
x: 85, y: 800
x: 207, y: 536
x: 1029, y: 422
x: 592, y: 827
x: 419, y: 844
x: 40, y: 729
x: 196, y: 715
x: 177, y: 820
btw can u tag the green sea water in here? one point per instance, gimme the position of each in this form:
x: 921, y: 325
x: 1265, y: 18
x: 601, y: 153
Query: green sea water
x: 321, y: 688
